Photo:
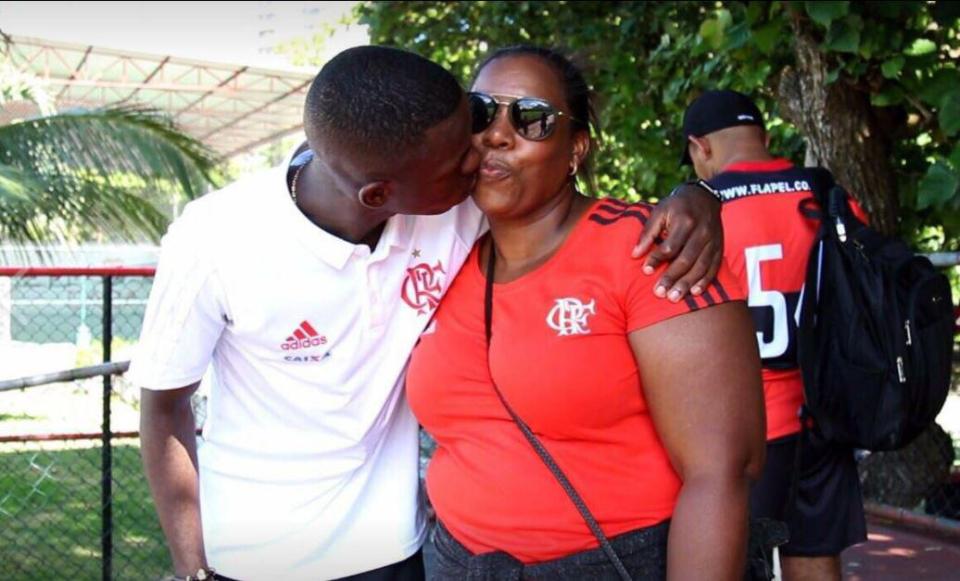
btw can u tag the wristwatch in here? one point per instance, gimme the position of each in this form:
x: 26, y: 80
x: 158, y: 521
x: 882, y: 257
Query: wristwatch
x: 703, y: 185
x: 202, y: 574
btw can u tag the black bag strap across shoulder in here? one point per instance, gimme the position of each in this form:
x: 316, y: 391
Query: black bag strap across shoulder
x: 532, y: 438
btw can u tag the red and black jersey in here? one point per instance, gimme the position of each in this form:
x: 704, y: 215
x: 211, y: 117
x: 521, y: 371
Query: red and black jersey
x: 767, y: 244
x: 561, y: 355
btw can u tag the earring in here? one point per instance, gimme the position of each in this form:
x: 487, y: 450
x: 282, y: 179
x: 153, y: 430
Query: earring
x: 573, y: 168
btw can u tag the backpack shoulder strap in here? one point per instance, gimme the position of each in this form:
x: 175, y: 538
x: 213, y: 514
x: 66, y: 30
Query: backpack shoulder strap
x: 834, y: 201
x: 821, y: 182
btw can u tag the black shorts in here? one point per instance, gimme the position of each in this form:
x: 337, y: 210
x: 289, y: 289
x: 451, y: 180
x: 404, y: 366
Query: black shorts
x: 828, y: 513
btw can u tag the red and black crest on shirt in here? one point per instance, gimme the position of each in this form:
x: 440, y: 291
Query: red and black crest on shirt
x: 423, y: 287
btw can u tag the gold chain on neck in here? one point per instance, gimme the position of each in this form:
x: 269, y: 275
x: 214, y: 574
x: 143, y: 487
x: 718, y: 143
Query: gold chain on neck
x: 293, y: 184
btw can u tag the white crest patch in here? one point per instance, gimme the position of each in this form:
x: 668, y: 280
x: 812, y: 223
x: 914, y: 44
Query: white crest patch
x: 569, y: 316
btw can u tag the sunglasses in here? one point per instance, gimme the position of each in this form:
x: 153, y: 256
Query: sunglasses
x: 532, y: 118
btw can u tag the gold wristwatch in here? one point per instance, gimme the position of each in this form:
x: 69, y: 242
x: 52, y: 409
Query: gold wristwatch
x: 202, y: 574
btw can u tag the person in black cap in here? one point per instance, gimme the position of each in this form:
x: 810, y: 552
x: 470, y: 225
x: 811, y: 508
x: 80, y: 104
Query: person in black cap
x: 715, y: 111
x: 767, y: 244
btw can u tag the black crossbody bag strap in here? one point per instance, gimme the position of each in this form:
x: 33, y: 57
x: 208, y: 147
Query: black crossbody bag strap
x: 534, y: 441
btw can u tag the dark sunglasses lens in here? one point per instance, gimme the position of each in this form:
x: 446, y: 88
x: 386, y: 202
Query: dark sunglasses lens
x: 482, y: 109
x: 534, y: 119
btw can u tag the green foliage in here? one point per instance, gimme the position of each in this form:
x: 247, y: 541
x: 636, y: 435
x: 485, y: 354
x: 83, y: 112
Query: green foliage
x: 15, y: 85
x: 938, y: 186
x: 645, y: 60
x: 75, y: 175
x: 307, y: 51
x: 648, y: 60
x: 824, y: 13
x: 89, y: 174
x: 904, y: 56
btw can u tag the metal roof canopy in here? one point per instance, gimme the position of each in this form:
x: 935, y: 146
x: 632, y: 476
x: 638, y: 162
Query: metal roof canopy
x: 231, y: 108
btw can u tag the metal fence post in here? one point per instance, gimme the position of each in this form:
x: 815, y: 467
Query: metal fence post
x: 106, y: 476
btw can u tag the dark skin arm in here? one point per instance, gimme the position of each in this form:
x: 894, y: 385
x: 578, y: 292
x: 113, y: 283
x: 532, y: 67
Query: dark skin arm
x: 169, y: 448
x: 701, y: 377
x: 690, y: 223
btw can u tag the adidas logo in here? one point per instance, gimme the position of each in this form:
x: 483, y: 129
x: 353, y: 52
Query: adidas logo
x: 303, y: 337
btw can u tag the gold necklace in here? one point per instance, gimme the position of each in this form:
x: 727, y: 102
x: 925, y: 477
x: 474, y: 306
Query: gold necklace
x: 293, y: 184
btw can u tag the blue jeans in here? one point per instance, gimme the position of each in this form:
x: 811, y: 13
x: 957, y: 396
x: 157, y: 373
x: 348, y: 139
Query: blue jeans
x: 643, y: 552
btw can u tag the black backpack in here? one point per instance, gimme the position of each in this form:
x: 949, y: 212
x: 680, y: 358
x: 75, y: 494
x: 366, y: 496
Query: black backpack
x: 876, y: 331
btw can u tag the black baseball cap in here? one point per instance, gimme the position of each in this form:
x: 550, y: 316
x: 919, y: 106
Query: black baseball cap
x: 716, y: 110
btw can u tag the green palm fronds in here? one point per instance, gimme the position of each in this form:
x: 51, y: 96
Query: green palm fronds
x: 83, y: 174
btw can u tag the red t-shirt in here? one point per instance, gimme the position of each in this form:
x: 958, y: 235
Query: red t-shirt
x: 561, y: 357
x: 767, y: 242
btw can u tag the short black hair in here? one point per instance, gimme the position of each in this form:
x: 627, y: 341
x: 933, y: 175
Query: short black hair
x: 379, y: 99
x: 580, y: 97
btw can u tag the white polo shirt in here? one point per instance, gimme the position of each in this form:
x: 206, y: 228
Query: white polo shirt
x: 309, y: 464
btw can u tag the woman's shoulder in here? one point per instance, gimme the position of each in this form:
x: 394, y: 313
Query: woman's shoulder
x: 606, y: 234
x: 610, y: 218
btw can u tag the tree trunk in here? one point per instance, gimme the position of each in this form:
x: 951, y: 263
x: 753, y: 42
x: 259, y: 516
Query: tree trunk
x: 841, y: 131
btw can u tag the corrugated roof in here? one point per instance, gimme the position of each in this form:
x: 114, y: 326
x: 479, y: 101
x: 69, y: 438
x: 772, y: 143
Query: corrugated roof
x: 231, y: 108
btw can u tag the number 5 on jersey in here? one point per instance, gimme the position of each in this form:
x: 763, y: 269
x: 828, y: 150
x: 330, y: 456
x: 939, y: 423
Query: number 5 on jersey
x: 776, y: 331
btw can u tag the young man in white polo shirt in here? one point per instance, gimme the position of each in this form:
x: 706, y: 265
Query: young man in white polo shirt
x: 306, y: 288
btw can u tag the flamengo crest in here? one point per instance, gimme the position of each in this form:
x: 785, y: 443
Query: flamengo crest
x: 569, y: 316
x: 423, y: 287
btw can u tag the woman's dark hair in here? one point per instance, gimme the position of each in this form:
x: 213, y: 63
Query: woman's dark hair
x: 580, y: 98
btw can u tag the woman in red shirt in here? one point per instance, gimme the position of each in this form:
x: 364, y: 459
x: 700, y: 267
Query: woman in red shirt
x: 652, y: 409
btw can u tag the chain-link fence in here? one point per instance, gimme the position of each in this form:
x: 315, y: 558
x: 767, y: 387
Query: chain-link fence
x: 74, y: 503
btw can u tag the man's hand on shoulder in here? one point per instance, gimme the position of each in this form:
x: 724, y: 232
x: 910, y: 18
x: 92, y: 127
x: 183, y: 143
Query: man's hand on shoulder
x: 688, y: 222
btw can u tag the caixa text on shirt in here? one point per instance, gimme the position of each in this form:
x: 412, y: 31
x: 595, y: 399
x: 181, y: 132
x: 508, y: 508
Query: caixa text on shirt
x: 760, y: 188
x: 307, y: 358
